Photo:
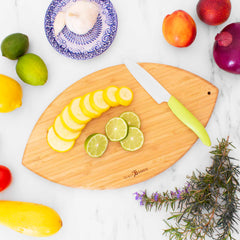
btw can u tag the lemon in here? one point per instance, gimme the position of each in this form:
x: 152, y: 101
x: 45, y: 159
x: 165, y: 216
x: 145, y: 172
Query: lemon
x: 10, y: 94
x: 134, y: 140
x: 124, y: 96
x: 116, y: 129
x: 132, y: 119
x: 109, y: 96
x: 96, y: 144
x: 32, y: 70
x: 14, y: 46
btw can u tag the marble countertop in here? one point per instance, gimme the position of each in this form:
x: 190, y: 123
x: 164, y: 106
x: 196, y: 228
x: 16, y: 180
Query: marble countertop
x: 110, y: 214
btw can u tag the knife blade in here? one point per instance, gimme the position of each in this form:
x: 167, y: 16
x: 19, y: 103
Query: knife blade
x: 160, y: 94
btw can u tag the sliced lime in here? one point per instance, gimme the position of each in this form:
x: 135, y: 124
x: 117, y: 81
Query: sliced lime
x: 134, y: 139
x: 132, y: 119
x: 96, y: 144
x: 116, y: 129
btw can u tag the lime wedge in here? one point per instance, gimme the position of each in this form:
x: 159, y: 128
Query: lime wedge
x: 134, y: 139
x: 116, y: 129
x: 96, y: 144
x: 132, y: 119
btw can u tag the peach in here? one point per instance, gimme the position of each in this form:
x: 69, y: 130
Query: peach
x: 214, y: 12
x: 179, y: 29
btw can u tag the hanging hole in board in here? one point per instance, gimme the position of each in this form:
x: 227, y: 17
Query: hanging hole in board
x: 209, y: 93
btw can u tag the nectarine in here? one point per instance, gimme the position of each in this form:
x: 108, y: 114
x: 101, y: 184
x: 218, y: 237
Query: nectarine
x: 214, y: 12
x: 179, y: 29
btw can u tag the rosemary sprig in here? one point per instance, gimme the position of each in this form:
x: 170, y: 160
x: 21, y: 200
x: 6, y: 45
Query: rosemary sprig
x: 208, y: 205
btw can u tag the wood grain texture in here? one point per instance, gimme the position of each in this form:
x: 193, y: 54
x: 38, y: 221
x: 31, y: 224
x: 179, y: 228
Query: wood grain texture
x: 166, y: 138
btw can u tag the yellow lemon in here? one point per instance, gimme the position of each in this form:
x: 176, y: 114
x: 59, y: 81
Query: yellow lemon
x: 10, y: 94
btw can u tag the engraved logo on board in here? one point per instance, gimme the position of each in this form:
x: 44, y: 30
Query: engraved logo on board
x: 135, y: 173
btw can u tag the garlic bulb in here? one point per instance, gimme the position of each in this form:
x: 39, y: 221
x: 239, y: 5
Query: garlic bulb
x: 81, y: 16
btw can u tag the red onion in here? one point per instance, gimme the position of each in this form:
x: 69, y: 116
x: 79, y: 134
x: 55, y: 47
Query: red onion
x: 226, y: 49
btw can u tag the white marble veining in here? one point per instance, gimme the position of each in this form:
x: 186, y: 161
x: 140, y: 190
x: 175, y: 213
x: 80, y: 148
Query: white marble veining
x: 110, y: 214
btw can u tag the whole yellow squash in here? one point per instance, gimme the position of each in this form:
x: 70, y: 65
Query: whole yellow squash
x: 29, y: 218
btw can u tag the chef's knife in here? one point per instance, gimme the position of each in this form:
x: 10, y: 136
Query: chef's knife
x: 160, y: 94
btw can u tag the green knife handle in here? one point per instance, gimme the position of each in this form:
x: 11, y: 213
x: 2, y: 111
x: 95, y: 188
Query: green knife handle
x: 189, y: 120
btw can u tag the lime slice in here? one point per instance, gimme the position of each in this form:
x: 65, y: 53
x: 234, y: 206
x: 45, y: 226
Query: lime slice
x: 132, y: 119
x: 134, y: 139
x: 116, y: 129
x: 96, y: 144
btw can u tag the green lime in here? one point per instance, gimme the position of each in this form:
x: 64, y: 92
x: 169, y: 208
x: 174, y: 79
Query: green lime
x: 132, y: 119
x: 96, y: 144
x: 14, y: 46
x: 32, y: 70
x: 134, y: 139
x: 116, y: 129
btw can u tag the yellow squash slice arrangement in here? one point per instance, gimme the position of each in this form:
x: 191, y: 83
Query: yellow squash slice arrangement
x: 74, y: 117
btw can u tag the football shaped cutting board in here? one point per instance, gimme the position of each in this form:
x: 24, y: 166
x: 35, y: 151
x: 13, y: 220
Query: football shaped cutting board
x: 166, y: 138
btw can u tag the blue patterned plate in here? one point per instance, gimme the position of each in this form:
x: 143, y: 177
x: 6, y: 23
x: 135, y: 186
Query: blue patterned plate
x: 86, y: 46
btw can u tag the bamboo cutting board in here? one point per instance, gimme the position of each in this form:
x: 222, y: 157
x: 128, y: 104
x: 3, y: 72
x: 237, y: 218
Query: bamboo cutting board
x: 166, y: 138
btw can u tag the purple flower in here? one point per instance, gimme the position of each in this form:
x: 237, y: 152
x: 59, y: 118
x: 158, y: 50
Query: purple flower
x: 156, y: 197
x: 173, y: 194
x: 179, y: 196
x: 140, y: 197
x: 187, y: 188
x: 137, y: 195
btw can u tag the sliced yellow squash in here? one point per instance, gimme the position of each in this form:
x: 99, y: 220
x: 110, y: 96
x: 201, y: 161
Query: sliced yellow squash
x: 68, y: 122
x: 124, y: 96
x: 97, y: 102
x: 76, y: 113
x: 57, y: 143
x: 109, y: 96
x: 87, y: 108
x: 64, y: 133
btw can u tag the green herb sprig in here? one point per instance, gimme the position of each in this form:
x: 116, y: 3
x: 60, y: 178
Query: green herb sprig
x: 208, y: 205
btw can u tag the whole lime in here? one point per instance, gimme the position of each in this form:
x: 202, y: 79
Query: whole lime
x: 32, y: 69
x: 14, y: 46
